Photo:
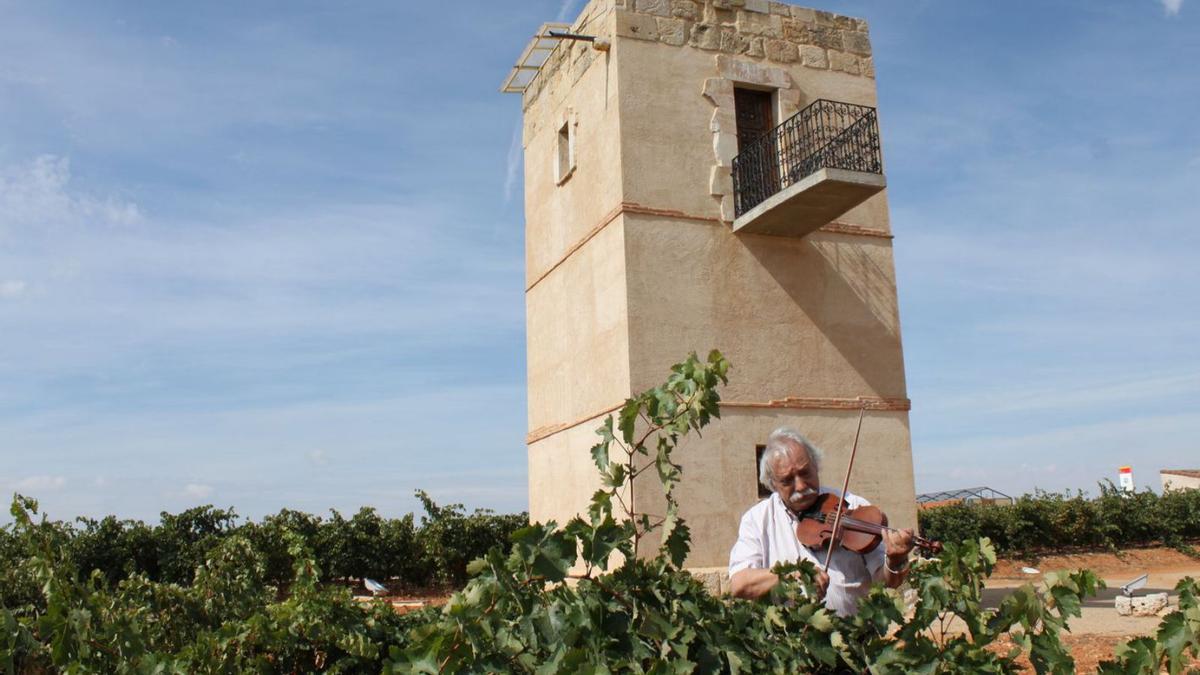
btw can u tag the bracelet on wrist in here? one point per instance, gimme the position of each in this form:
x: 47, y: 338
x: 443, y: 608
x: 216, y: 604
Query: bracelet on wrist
x: 903, y: 568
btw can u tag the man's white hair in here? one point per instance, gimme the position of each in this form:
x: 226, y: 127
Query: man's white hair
x: 778, y: 444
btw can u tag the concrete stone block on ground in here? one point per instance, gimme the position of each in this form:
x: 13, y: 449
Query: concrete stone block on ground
x: 715, y: 579
x: 1146, y: 605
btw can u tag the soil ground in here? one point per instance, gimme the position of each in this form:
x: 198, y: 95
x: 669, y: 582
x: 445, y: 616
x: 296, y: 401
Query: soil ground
x: 410, y: 599
x: 1094, y: 635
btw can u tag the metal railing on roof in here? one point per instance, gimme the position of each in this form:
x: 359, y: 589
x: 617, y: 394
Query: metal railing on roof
x: 968, y: 495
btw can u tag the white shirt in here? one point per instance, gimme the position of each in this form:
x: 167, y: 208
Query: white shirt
x: 767, y: 536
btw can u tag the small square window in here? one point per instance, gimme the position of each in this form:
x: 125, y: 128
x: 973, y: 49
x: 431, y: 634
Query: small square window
x: 564, y: 161
x: 758, y: 453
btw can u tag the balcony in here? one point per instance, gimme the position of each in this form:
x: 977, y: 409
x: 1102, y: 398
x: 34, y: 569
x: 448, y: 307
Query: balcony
x: 808, y: 171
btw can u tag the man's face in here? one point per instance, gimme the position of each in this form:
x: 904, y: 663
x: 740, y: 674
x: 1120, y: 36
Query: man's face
x: 796, y: 478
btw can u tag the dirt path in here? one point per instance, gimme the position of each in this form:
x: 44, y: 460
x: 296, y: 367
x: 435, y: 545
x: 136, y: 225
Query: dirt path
x: 1088, y: 650
x: 411, y: 600
x: 1094, y: 635
x: 1129, y: 562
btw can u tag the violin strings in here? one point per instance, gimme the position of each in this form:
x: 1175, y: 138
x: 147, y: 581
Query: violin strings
x: 874, y: 527
x: 847, y: 519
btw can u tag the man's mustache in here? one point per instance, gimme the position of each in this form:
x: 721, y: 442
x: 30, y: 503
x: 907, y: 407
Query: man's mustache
x: 799, y: 496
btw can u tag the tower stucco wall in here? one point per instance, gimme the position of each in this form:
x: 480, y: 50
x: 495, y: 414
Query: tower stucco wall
x: 631, y: 261
x: 576, y: 318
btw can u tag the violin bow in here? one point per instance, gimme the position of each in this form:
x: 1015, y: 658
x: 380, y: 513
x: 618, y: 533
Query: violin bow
x: 837, y: 517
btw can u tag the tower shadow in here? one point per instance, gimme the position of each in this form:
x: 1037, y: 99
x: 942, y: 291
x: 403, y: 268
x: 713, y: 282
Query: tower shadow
x: 835, y: 281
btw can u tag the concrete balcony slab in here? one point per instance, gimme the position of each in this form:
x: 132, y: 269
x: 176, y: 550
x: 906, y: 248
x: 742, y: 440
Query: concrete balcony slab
x: 810, y: 203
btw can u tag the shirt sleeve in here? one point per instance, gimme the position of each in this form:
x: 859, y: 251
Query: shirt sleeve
x: 749, y: 552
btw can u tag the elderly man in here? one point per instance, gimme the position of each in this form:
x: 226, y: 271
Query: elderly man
x: 790, y: 468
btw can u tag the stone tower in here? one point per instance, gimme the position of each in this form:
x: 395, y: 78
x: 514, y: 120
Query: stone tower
x: 707, y: 174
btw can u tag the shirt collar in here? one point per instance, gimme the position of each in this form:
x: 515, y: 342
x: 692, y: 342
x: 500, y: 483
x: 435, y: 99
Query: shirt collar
x: 779, y: 504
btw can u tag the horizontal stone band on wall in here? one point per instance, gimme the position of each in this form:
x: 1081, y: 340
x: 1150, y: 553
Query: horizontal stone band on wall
x: 789, y: 402
x: 631, y: 207
x: 817, y: 403
x: 838, y: 227
x: 549, y: 430
x: 608, y: 218
x: 835, y: 227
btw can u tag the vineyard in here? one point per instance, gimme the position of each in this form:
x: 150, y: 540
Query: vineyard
x: 432, y: 552
x: 202, y: 594
x: 1058, y: 522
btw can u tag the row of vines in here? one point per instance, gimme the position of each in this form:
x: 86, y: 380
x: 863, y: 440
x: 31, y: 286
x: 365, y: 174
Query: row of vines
x: 1044, y: 522
x: 558, y: 598
x: 435, y: 549
x: 402, y: 551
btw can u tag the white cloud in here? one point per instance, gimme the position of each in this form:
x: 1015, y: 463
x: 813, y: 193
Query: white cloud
x: 1015, y: 461
x: 564, y: 12
x: 11, y: 288
x: 1062, y: 393
x: 38, y: 195
x: 197, y: 490
x: 513, y: 168
x: 398, y: 445
x: 1172, y: 6
x: 39, y: 483
x: 318, y: 457
x: 100, y: 481
x: 332, y: 273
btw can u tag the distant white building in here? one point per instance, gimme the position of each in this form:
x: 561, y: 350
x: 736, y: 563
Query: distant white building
x: 1180, y: 479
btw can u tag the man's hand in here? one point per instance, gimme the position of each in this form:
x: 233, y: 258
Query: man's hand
x: 822, y: 584
x: 753, y: 584
x: 898, y: 544
x: 821, y: 579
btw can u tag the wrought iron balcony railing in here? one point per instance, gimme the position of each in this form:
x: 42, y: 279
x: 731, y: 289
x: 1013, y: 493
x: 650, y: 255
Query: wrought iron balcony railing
x: 825, y: 135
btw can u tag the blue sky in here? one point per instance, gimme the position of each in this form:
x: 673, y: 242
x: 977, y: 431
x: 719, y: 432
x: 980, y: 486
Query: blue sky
x: 270, y: 254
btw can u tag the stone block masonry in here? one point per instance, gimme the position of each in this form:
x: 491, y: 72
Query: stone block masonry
x: 772, y: 31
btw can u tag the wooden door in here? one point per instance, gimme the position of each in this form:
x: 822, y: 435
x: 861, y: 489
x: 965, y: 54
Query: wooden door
x: 754, y: 118
x: 758, y: 163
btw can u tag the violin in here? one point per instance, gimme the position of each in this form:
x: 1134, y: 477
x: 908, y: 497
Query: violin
x: 859, y: 530
x: 830, y: 522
